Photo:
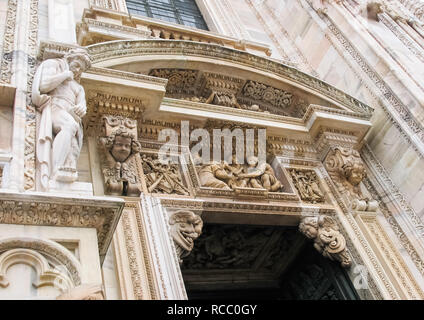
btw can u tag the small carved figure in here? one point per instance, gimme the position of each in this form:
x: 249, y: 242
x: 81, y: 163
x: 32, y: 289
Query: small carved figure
x: 327, y: 238
x: 120, y: 171
x: 60, y: 98
x: 306, y: 183
x: 186, y: 227
x: 261, y: 175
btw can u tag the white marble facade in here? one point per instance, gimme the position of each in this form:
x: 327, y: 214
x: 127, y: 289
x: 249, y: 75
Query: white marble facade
x: 352, y: 72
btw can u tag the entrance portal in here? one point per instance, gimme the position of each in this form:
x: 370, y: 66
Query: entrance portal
x: 261, y: 263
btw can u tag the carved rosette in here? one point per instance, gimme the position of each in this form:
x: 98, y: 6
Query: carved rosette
x: 327, y: 238
x: 120, y: 152
x: 347, y: 171
x: 186, y: 227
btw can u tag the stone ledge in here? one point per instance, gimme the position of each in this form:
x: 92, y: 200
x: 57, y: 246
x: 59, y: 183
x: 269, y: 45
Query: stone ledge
x: 36, y: 208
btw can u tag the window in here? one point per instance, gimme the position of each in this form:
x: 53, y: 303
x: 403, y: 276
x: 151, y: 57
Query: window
x: 183, y: 12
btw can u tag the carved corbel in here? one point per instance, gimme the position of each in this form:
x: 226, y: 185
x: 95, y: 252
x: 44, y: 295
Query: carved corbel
x: 327, y: 238
x: 347, y: 171
x: 186, y: 227
x: 120, y: 150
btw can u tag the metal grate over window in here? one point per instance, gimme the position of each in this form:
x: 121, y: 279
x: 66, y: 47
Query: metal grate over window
x: 183, y: 12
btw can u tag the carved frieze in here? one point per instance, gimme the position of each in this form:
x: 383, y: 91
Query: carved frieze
x: 255, y: 175
x: 347, y: 171
x: 180, y: 81
x: 227, y: 91
x: 307, y: 185
x: 34, y: 209
x: 186, y: 227
x: 120, y: 150
x: 162, y: 178
x: 227, y: 247
x: 327, y: 238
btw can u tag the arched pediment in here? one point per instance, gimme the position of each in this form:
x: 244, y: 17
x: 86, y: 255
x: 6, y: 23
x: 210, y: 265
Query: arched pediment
x: 142, y: 76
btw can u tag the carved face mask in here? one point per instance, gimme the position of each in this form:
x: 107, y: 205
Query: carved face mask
x: 121, y: 149
x: 356, y: 176
x: 186, y: 235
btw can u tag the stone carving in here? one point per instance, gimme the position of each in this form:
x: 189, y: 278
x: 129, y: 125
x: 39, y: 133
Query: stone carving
x: 347, y: 171
x: 227, y: 91
x: 65, y: 214
x: 60, y: 98
x: 224, y: 246
x: 185, y: 228
x: 162, y: 178
x: 327, y: 238
x: 374, y: 8
x: 120, y: 148
x: 230, y: 176
x: 262, y: 92
x: 83, y: 292
x: 180, y: 81
x: 307, y: 184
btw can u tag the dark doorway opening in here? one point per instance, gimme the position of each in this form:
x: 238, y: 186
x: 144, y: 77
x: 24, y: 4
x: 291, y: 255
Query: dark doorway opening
x: 261, y: 263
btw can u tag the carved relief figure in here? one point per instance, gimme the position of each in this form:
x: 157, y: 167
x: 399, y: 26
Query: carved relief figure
x: 229, y: 176
x: 327, y: 238
x: 60, y: 98
x: 347, y: 170
x: 186, y: 227
x: 119, y: 169
x: 163, y: 178
x: 306, y: 183
x: 214, y: 175
x: 260, y: 176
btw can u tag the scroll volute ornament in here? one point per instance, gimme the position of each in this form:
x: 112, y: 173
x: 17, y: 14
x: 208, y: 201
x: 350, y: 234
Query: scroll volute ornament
x: 119, y: 151
x: 327, y: 238
x: 347, y: 171
x: 186, y: 227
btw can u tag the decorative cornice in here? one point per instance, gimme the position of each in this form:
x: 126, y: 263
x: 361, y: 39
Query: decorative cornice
x: 115, y: 49
x: 244, y: 207
x: 35, y: 208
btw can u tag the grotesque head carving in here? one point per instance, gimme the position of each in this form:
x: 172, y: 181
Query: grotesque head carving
x: 185, y: 228
x: 121, y: 144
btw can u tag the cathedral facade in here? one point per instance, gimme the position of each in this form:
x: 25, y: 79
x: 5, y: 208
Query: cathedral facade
x: 201, y: 149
